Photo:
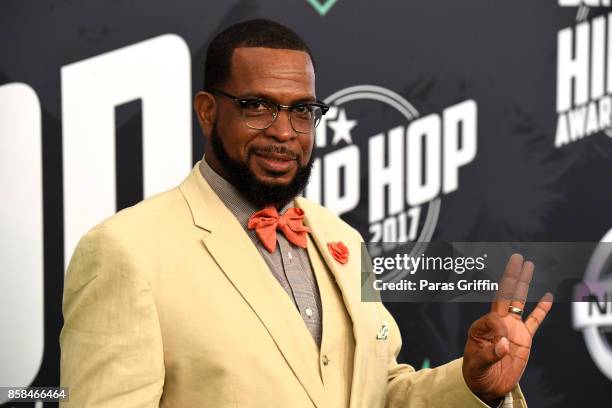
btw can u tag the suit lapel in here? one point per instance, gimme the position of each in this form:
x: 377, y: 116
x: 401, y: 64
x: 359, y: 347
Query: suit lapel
x: 347, y: 277
x: 239, y: 259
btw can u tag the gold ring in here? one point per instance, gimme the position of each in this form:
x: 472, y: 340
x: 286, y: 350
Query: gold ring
x: 515, y: 310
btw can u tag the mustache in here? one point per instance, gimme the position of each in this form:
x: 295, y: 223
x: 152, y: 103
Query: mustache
x: 279, y: 149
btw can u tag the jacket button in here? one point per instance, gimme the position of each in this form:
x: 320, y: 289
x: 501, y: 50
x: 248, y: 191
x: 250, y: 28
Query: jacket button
x: 325, y: 360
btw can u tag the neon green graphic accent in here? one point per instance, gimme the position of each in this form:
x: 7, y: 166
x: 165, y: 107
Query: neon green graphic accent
x: 322, y: 6
x: 426, y: 363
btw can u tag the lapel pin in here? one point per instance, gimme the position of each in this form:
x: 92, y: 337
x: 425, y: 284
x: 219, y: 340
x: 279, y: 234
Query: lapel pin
x: 339, y: 251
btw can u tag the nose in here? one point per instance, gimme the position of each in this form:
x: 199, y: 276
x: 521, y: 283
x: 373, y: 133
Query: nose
x: 281, y: 128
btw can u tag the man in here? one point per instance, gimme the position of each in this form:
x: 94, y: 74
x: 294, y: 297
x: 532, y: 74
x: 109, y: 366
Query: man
x: 231, y: 291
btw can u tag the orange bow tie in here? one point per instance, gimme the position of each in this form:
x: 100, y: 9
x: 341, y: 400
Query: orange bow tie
x: 265, y: 223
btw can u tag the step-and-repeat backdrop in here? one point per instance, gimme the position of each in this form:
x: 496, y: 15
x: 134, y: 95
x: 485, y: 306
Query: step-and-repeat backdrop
x: 466, y: 120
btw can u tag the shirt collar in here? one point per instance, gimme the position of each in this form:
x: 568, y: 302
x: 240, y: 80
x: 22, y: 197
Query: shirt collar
x: 230, y: 196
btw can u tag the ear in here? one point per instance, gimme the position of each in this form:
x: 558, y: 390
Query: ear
x: 205, y: 107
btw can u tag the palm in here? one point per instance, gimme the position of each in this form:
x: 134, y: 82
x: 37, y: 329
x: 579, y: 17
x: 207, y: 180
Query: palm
x: 505, y: 373
x: 498, y: 345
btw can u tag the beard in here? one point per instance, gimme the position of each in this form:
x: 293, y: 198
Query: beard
x: 259, y: 193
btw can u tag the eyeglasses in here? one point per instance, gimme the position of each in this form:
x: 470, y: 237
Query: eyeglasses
x: 260, y: 114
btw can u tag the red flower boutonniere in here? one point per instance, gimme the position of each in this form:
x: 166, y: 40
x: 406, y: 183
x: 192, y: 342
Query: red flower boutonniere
x: 339, y: 251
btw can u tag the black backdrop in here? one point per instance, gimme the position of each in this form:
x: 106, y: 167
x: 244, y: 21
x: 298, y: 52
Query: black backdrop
x: 519, y: 186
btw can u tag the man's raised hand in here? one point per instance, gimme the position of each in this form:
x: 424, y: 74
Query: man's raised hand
x: 498, y: 344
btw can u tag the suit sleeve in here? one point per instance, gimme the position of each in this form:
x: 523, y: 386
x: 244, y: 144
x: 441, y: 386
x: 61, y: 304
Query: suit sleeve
x: 442, y: 386
x: 111, y: 345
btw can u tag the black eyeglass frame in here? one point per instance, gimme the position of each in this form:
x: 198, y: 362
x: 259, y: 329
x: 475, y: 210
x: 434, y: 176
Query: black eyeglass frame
x: 244, y: 101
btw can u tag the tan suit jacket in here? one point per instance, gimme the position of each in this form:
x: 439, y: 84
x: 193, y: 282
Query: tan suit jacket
x: 168, y: 303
